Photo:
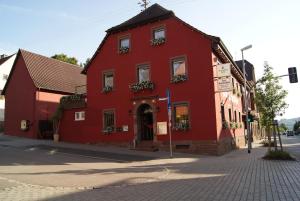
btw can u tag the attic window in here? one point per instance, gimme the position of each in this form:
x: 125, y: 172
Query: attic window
x: 158, y: 36
x: 124, y: 45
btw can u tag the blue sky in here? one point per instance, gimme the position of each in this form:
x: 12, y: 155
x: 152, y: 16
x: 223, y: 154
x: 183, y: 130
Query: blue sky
x: 76, y: 27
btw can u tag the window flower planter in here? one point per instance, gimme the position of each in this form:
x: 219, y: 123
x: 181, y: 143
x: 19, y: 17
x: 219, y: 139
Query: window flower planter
x: 181, y: 127
x: 159, y: 41
x: 139, y: 86
x: 234, y: 91
x: 123, y: 50
x: 107, y: 89
x: 225, y: 125
x: 179, y: 78
x: 233, y: 125
x: 108, y: 130
x: 238, y: 94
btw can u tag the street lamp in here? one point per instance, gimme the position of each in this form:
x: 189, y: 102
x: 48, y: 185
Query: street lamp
x: 245, y: 100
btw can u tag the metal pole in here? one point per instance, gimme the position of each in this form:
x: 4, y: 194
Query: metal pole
x: 170, y: 121
x: 246, y: 104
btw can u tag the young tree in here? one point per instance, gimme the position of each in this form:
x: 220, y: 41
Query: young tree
x: 270, y: 99
x: 65, y: 58
x: 297, y: 126
x: 283, y: 127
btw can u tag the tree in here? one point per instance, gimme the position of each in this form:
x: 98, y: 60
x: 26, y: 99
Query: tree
x: 297, y: 126
x: 283, y: 128
x: 87, y: 61
x: 270, y: 99
x: 65, y: 58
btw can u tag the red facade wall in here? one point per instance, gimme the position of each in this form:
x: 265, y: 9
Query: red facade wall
x: 20, y: 102
x: 71, y: 130
x: 198, y: 90
x: 24, y: 102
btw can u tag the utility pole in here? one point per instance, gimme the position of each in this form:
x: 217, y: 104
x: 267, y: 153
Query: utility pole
x: 144, y: 4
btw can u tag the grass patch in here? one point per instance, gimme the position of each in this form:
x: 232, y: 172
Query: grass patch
x: 265, y: 143
x: 278, y: 155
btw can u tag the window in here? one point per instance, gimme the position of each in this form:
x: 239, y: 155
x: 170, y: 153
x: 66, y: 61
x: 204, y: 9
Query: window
x: 223, y: 112
x: 79, y: 116
x: 124, y: 43
x: 159, y: 33
x: 240, y: 117
x: 229, y: 113
x: 108, y: 79
x: 235, y: 119
x: 5, y: 77
x: 143, y: 73
x: 109, y: 120
x: 178, y: 67
x: 181, y: 116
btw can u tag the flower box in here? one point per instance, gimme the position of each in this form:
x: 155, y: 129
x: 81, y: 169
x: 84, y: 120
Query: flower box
x: 179, y: 78
x: 225, y: 125
x: 123, y: 50
x: 181, y: 127
x: 139, y: 86
x: 107, y: 89
x: 108, y: 130
x: 158, y: 41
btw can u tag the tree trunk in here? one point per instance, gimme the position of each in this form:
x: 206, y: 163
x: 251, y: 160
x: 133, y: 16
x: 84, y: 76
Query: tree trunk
x: 269, y: 137
x: 279, y: 137
x: 274, y: 136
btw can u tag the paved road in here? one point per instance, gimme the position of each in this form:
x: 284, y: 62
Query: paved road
x: 31, y: 173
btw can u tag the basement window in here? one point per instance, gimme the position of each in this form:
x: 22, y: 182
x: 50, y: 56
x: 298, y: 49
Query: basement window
x: 79, y: 116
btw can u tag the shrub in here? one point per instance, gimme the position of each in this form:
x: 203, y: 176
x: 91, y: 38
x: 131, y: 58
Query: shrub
x: 278, y: 155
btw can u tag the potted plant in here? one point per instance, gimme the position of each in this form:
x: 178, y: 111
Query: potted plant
x: 139, y: 86
x: 179, y: 78
x: 158, y: 41
x: 56, y: 121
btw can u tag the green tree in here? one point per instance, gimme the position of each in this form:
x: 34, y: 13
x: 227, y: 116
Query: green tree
x: 270, y: 99
x: 283, y: 127
x: 87, y: 61
x: 65, y: 58
x: 297, y: 126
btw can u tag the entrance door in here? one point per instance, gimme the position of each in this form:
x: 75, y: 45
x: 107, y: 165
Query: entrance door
x: 145, y: 122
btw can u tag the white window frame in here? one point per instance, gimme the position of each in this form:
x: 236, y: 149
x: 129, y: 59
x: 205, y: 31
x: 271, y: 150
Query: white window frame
x: 80, y: 117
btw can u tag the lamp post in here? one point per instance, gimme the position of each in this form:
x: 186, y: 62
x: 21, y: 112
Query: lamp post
x: 245, y: 99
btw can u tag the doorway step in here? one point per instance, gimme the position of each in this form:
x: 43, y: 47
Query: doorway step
x: 146, y: 146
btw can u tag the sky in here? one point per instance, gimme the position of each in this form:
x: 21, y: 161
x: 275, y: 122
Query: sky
x: 76, y: 28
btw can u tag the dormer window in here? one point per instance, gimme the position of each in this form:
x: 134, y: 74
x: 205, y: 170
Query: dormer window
x: 124, y: 45
x: 159, y: 36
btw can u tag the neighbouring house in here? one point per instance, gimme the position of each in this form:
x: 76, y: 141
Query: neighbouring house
x: 127, y: 79
x: 6, y: 63
x: 33, y: 90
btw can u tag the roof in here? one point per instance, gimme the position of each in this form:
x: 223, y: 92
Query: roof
x: 50, y: 74
x: 5, y: 59
x: 153, y: 13
x: 249, y: 69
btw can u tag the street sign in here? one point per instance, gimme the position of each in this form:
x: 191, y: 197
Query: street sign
x: 168, y: 99
x: 293, y: 74
x: 224, y: 84
x: 224, y: 70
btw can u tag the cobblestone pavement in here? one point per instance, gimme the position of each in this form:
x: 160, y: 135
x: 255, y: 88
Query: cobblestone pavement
x: 237, y: 176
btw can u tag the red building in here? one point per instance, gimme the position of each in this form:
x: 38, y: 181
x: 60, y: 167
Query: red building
x: 132, y: 68
x: 33, y: 91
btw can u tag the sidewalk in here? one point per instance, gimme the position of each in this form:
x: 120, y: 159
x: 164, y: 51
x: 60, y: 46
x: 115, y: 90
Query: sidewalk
x: 236, y: 176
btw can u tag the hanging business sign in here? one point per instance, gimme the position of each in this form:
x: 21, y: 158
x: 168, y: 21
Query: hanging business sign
x: 224, y: 84
x: 224, y: 70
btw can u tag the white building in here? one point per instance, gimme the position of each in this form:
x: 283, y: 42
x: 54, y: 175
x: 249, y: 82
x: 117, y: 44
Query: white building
x: 6, y: 63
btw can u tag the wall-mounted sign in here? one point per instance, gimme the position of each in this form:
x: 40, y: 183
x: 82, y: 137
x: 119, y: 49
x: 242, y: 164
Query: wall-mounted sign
x: 162, y: 128
x: 24, y: 125
x: 224, y: 84
x: 125, y: 128
x: 224, y: 70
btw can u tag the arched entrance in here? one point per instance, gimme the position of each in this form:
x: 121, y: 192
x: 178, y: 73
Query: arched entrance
x: 145, y: 122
